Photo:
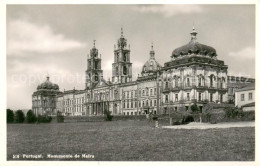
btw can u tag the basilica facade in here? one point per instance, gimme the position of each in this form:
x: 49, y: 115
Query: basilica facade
x: 193, y: 75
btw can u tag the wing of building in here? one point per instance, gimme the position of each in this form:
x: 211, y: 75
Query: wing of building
x: 193, y: 75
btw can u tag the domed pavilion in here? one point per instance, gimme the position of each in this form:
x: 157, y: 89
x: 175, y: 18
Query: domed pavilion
x: 194, y: 75
x: 43, y: 99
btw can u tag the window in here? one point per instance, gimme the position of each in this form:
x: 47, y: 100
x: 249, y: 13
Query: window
x: 143, y: 103
x: 147, y: 92
x: 221, y: 98
x: 96, y: 65
x: 132, y: 104
x: 199, y: 96
x: 211, y: 97
x: 146, y: 103
x: 143, y: 92
x: 151, y: 103
x: 166, y: 98
x: 250, y: 96
x: 127, y: 104
x: 124, y: 57
x: 200, y: 81
x: 151, y: 92
x: 140, y: 92
x: 166, y: 85
x: 117, y: 70
x: 154, y: 90
x: 211, y: 81
x: 154, y: 102
x: 221, y: 84
x: 188, y: 82
x: 242, y: 97
x: 127, y: 94
x: 176, y: 97
x: 117, y: 56
x: 188, y: 96
x: 176, y: 82
x: 125, y: 70
x: 132, y: 94
x: 139, y: 104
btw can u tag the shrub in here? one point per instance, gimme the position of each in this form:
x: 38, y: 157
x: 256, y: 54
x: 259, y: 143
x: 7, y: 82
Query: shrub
x: 155, y: 118
x: 108, y: 116
x: 44, y: 119
x: 30, y: 117
x: 60, y: 117
x: 194, y: 108
x: 19, y: 116
x: 188, y: 119
x: 176, y: 123
x: 233, y: 113
x: 10, y: 116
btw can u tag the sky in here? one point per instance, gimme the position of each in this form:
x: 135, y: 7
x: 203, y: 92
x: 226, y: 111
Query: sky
x: 55, y: 40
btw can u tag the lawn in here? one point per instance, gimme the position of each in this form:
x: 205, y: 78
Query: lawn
x: 130, y: 141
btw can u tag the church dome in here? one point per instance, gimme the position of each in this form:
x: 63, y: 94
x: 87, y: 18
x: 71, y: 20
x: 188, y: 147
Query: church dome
x: 47, y: 85
x: 194, y: 47
x: 151, y: 65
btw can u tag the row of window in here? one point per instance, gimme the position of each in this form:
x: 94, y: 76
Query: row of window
x: 131, y: 113
x: 250, y: 96
x: 144, y: 103
x: 71, y: 101
x: 145, y: 92
x: 199, y: 97
x: 129, y: 94
x: 200, y: 83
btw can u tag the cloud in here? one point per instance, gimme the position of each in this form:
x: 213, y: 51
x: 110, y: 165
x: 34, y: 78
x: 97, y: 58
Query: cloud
x: 24, y: 36
x: 169, y: 10
x: 245, y: 53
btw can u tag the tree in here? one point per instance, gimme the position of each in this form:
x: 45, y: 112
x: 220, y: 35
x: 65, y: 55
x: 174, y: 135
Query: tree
x: 30, y: 117
x: 60, y: 117
x: 19, y: 116
x: 194, y: 108
x: 10, y: 116
x: 109, y: 117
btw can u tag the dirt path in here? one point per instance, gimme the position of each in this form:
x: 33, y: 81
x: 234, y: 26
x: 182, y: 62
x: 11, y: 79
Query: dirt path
x: 195, y: 125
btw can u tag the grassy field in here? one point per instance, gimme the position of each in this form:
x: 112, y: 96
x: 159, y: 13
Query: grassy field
x: 130, y: 140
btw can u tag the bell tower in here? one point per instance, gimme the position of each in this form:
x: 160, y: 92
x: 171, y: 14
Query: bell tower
x: 93, y: 72
x: 122, y: 67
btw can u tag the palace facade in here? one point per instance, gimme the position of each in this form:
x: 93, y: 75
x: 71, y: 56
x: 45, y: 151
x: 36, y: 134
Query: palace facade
x: 193, y: 75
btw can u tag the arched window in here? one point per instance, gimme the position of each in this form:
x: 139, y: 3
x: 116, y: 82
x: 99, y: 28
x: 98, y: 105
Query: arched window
x: 117, y: 57
x: 211, y: 81
x: 96, y: 76
x: 176, y: 82
x: 124, y: 70
x: 200, y: 81
x: 117, y: 70
x: 188, y: 82
x: 124, y: 57
x: 166, y: 84
x: 96, y: 64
